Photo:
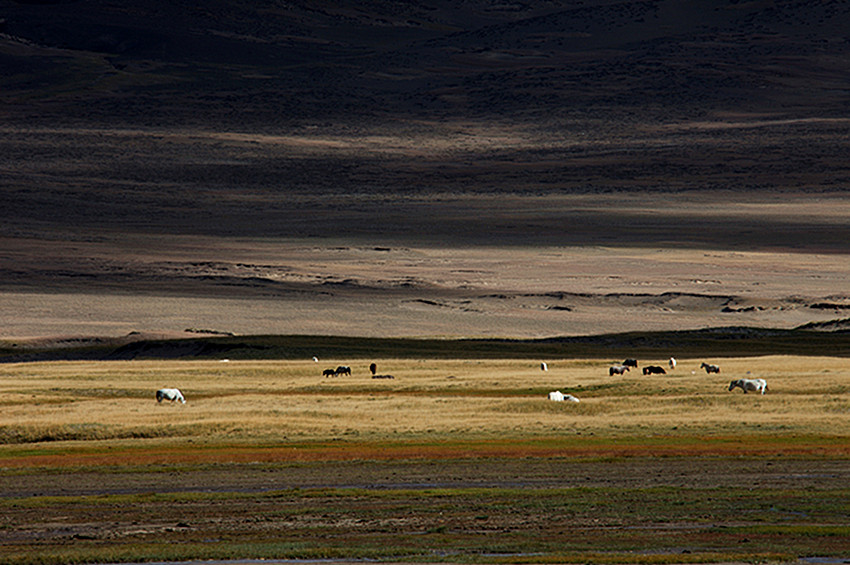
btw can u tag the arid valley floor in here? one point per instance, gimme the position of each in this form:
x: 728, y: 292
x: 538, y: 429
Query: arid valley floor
x: 445, y: 260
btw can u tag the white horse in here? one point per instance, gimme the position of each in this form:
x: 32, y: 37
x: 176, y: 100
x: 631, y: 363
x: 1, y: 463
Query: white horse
x: 558, y: 396
x: 672, y: 362
x: 171, y: 394
x: 747, y: 385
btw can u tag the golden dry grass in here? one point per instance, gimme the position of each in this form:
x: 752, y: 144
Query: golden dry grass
x: 279, y: 401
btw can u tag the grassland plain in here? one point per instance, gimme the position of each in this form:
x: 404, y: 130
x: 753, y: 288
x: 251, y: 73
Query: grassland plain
x: 453, y: 460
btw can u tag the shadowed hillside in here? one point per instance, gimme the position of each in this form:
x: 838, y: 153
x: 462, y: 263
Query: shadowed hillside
x: 232, y: 62
x: 285, y: 118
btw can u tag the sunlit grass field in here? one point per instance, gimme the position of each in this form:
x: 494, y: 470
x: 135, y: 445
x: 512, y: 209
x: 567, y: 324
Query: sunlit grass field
x: 61, y: 420
x: 427, y: 400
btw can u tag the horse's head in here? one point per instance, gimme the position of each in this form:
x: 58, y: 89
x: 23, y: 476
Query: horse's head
x: 733, y: 384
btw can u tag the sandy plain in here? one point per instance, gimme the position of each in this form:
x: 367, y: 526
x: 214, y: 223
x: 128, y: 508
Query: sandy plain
x: 440, y: 230
x: 303, y: 287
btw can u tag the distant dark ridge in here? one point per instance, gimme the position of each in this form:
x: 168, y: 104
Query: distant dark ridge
x: 712, y: 342
x: 828, y: 325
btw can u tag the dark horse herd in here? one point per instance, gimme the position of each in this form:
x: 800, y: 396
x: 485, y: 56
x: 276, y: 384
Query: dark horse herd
x: 627, y: 364
x: 341, y: 370
x: 346, y: 370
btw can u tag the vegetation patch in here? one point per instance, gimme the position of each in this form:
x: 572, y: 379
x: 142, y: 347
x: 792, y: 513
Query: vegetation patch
x: 520, y: 524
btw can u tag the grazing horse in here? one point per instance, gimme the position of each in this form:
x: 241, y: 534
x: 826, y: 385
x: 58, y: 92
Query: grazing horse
x: 558, y: 396
x: 617, y: 370
x: 654, y: 370
x: 343, y: 370
x: 672, y: 362
x: 171, y: 394
x: 630, y: 363
x: 710, y: 368
x: 373, y: 368
x: 329, y: 373
x: 747, y: 385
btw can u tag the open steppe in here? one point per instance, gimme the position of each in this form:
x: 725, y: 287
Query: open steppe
x: 328, y: 171
x: 271, y: 459
x: 265, y: 400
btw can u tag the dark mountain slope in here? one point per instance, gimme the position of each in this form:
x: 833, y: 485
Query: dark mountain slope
x: 231, y: 61
x: 280, y: 119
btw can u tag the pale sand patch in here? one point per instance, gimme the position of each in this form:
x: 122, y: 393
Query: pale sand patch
x: 428, y: 264
x: 300, y: 287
